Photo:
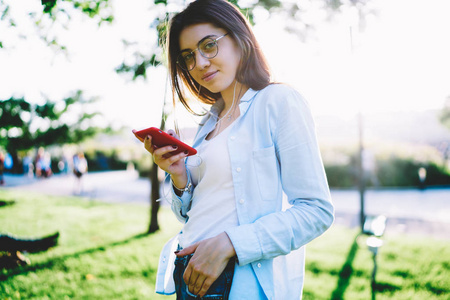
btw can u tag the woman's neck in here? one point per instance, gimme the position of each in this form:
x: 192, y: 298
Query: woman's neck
x: 232, y: 96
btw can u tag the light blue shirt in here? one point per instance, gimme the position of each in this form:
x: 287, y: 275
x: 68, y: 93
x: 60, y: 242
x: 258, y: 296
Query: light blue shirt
x: 273, y: 151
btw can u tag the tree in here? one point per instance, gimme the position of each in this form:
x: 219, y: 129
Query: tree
x: 25, y: 125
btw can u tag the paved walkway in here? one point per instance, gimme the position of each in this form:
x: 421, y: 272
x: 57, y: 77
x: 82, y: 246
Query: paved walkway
x: 409, y: 211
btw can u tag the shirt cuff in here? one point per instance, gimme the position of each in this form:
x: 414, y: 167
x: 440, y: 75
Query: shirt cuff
x: 181, y: 204
x: 246, y: 243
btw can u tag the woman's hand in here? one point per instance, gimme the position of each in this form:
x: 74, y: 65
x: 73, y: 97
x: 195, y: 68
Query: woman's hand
x: 210, y: 258
x: 172, y: 164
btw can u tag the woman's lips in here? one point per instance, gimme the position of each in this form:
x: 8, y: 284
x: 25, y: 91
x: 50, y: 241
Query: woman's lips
x: 209, y: 76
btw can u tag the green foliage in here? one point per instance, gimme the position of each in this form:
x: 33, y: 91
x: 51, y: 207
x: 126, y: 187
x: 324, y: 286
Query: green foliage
x: 160, y: 2
x: 101, y: 161
x: 437, y: 175
x: 397, y: 172
x: 5, y: 16
x: 92, y: 8
x: 394, y: 170
x: 404, y: 172
x: 48, y: 5
x: 11, y: 111
x: 102, y: 253
x: 25, y: 125
x: 139, y: 68
x: 267, y: 4
x: 340, y: 176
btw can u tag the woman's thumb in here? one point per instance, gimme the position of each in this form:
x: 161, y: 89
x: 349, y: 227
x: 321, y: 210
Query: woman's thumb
x: 186, y: 251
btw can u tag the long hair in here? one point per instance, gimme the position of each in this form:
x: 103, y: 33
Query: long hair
x: 253, y: 69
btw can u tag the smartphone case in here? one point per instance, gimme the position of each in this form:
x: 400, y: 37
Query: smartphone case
x: 161, y: 139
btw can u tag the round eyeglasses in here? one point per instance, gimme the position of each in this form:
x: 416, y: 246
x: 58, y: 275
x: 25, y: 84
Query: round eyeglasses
x: 207, y: 47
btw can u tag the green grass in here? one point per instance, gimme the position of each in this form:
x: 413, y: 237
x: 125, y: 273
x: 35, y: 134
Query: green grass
x: 102, y: 254
x: 339, y: 266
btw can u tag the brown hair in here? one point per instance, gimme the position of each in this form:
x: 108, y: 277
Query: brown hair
x: 253, y: 70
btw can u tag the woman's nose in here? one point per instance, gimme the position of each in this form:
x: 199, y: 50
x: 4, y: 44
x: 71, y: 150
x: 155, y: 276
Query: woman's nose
x: 202, y: 62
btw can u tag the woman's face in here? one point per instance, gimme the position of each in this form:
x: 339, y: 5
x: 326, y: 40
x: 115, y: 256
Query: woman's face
x: 216, y: 74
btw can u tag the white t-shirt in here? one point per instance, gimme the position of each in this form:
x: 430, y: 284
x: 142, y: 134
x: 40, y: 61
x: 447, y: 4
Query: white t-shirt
x: 213, y: 208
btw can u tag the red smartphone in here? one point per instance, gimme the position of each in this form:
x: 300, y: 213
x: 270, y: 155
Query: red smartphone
x: 161, y: 139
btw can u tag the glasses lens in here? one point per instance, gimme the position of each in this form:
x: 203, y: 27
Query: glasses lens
x: 208, y: 48
x: 186, y: 60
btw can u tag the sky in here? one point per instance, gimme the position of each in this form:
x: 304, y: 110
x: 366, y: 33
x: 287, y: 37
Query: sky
x: 398, y: 62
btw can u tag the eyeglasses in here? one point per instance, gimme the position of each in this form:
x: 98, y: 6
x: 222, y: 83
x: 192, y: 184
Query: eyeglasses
x: 207, y: 47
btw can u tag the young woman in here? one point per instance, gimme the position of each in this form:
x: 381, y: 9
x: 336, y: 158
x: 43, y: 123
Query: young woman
x: 238, y: 241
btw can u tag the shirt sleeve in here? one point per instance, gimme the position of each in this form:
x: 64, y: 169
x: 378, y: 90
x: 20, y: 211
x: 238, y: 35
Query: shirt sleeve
x: 181, y: 204
x: 303, y: 180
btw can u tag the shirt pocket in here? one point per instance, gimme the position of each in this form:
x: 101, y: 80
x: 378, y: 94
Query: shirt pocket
x: 267, y: 174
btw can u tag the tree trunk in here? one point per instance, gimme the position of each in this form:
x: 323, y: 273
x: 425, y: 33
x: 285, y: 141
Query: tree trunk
x: 155, y: 195
x: 155, y: 183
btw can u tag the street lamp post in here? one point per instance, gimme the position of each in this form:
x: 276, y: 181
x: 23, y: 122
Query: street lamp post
x: 361, y: 177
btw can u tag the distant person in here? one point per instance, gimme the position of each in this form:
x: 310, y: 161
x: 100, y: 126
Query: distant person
x: 28, y: 166
x: 43, y: 164
x: 47, y: 165
x: 63, y: 165
x: 38, y: 161
x: 80, y: 167
x: 8, y: 162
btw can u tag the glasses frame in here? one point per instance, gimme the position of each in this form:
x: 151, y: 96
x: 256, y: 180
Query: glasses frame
x: 180, y: 59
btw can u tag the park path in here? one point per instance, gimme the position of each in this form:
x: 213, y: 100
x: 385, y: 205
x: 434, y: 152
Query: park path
x: 411, y: 211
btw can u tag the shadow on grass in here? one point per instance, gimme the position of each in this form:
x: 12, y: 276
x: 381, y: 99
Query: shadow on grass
x: 6, y: 203
x: 346, y: 272
x: 58, y: 260
x: 382, y: 287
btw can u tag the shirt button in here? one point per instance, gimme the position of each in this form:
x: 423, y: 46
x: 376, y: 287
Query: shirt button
x: 241, y: 201
x: 232, y: 138
x: 259, y: 265
x: 238, y: 169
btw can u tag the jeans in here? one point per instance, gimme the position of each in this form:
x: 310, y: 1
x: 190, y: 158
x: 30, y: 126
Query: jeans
x: 219, y: 290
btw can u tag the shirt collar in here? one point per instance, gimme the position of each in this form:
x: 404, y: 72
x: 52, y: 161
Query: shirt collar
x: 219, y: 105
x: 249, y: 94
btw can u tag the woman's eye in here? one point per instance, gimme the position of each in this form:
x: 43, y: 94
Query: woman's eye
x: 188, y: 57
x: 209, y: 46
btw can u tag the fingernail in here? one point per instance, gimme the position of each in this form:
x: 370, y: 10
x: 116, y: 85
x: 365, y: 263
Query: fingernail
x: 186, y: 152
x: 174, y: 146
x: 176, y: 252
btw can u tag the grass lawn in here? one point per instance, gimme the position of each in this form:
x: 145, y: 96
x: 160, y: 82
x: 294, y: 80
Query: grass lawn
x: 102, y: 254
